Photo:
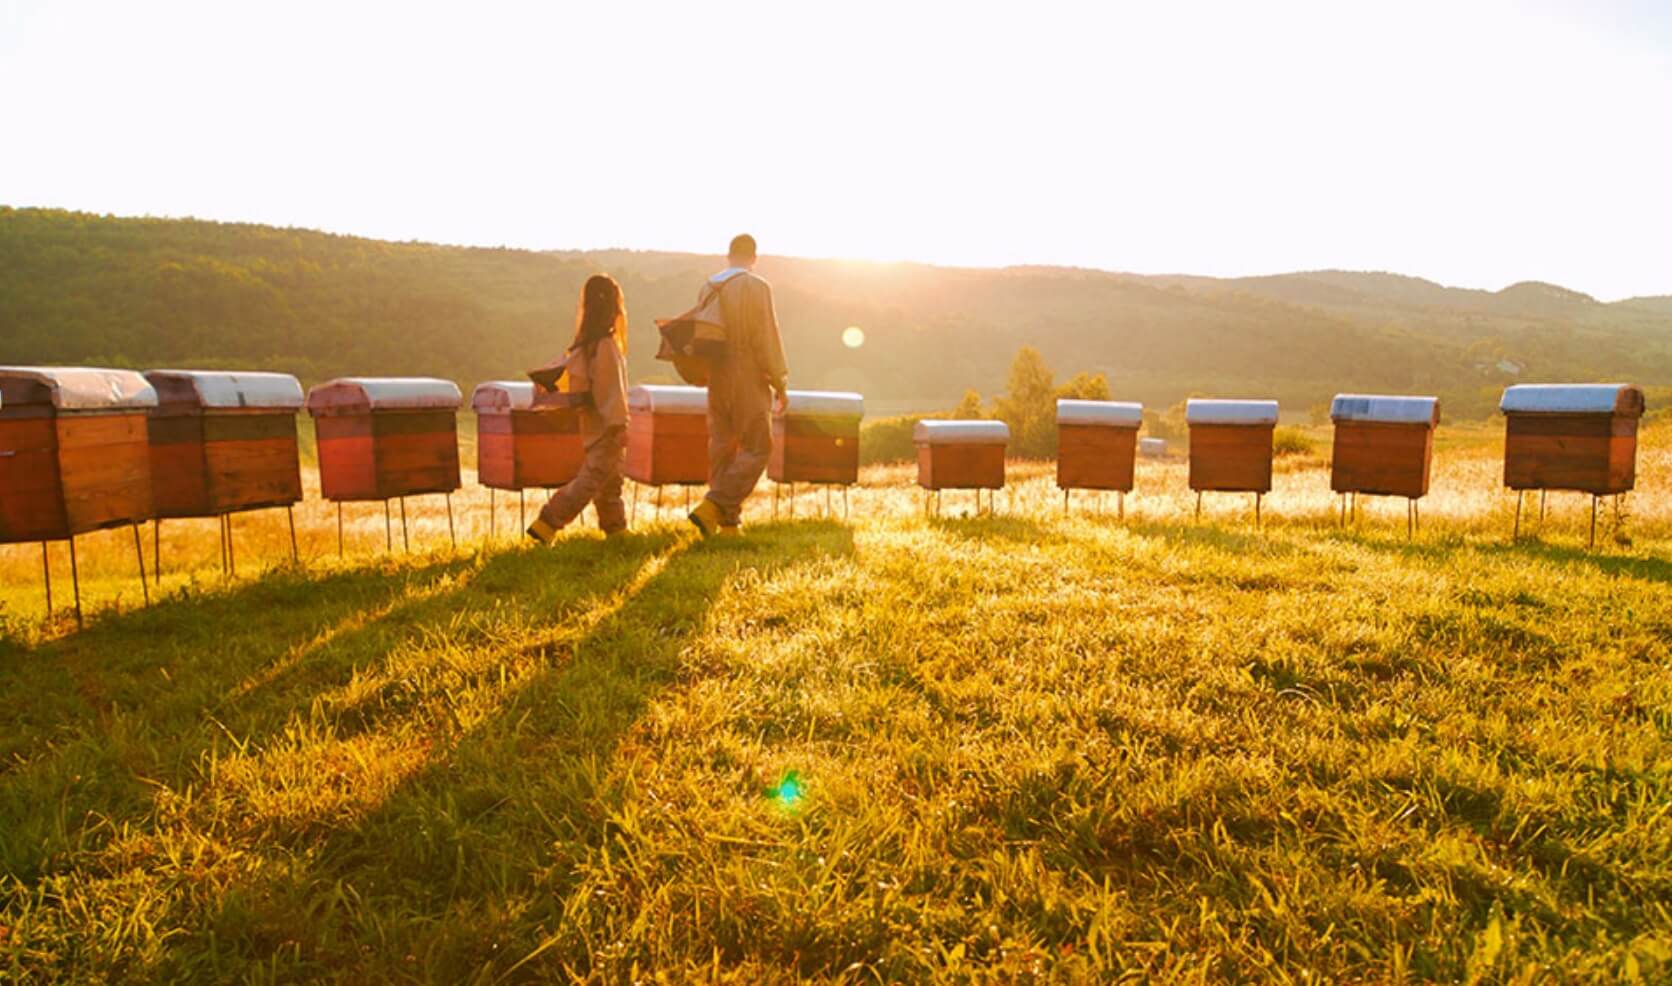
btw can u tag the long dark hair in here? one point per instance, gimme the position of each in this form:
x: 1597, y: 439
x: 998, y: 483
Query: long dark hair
x: 602, y: 313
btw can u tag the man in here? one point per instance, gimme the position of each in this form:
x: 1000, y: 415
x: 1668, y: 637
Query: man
x: 743, y: 388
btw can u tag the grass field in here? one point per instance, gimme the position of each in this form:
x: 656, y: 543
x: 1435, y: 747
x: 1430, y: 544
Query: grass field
x: 902, y: 748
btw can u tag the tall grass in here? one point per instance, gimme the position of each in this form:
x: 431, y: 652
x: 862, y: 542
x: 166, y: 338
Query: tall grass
x: 1024, y: 747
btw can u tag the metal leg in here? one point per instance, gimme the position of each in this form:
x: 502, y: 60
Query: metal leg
x: 339, y: 528
x: 1122, y: 501
x: 827, y: 501
x: 388, y: 529
x: 687, y: 499
x: 658, y: 503
x: 845, y: 503
x: 1065, y: 503
x: 75, y: 580
x: 231, y: 557
x: 139, y: 553
x: 1343, y: 510
x: 491, y: 517
x: 937, y: 503
x: 1355, y: 508
x: 46, y: 576
x: 1198, y: 504
x: 1593, y: 541
x: 1416, y: 516
x: 1410, y: 519
x: 775, y: 488
x: 1257, y: 498
x: 406, y: 539
x: 451, y: 534
x: 157, y: 550
x: 1516, y: 535
x: 220, y: 529
x: 290, y: 515
x: 1542, y: 496
x: 522, y: 501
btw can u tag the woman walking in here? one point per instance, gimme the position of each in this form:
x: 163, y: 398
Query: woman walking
x: 597, y: 368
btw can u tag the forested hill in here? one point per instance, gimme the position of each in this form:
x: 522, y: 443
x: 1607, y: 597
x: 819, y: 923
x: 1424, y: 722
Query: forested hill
x: 146, y: 292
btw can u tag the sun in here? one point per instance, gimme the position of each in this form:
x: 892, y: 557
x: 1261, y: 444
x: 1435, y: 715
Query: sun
x: 853, y: 337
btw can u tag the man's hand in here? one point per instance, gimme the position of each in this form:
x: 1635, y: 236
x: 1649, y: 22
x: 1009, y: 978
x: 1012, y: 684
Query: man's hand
x: 780, y: 400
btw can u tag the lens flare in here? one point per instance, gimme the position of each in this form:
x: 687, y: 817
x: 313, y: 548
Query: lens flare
x: 853, y: 337
x: 788, y: 792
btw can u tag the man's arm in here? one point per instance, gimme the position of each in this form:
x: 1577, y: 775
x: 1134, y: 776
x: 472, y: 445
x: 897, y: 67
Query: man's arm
x: 770, y: 354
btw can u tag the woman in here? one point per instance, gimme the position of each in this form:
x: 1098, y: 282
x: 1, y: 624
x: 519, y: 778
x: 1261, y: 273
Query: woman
x: 597, y: 365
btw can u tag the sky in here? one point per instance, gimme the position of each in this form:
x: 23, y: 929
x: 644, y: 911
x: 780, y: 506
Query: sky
x: 1473, y: 143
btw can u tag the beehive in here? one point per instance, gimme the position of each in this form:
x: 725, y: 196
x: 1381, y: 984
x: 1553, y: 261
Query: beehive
x: 815, y: 439
x: 520, y: 446
x: 223, y: 442
x: 1231, y: 445
x: 386, y: 437
x: 667, y: 435
x: 74, y: 455
x: 960, y: 455
x: 1571, y: 437
x: 1383, y: 445
x: 1097, y: 444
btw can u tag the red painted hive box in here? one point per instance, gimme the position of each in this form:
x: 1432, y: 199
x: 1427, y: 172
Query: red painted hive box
x: 1097, y: 444
x: 1384, y: 446
x: 667, y: 435
x: 223, y: 442
x: 1571, y: 437
x: 1231, y: 445
x: 386, y: 437
x: 520, y: 446
x: 816, y: 438
x: 960, y: 455
x: 74, y: 455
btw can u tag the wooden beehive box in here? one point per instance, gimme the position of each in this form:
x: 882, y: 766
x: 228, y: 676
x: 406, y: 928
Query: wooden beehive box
x: 1231, y: 445
x: 1571, y: 437
x: 386, y: 437
x: 1097, y: 444
x: 1384, y: 445
x: 520, y: 446
x: 223, y: 442
x: 73, y: 451
x: 960, y: 455
x: 667, y: 435
x: 816, y: 438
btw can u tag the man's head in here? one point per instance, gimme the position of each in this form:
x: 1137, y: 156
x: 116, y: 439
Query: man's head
x: 742, y: 252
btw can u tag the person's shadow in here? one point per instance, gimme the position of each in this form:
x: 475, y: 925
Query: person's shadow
x: 455, y: 833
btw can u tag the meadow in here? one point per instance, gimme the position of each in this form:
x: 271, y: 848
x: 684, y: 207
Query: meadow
x: 896, y: 747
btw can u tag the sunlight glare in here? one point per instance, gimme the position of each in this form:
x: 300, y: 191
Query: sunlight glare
x: 853, y: 337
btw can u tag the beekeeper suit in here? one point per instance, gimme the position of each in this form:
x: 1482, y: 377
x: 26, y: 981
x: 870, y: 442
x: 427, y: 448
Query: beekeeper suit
x: 743, y: 385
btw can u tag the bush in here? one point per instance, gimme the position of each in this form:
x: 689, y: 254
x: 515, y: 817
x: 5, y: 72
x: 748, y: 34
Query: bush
x: 1292, y: 441
x: 888, y: 439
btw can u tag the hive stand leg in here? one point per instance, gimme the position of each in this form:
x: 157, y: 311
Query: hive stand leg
x: 845, y: 503
x: 451, y: 535
x: 1065, y: 503
x: 1122, y: 508
x: 827, y: 511
x: 937, y: 503
x: 792, y: 501
x: 658, y: 503
x: 231, y: 557
x: 339, y: 528
x: 775, y: 488
x: 1410, y: 519
x: 1257, y: 498
x: 1355, y: 509
x: 1198, y: 504
x: 388, y: 529
x: 1542, y: 496
x: 157, y: 550
x: 406, y: 538
x: 75, y: 581
x: 139, y: 553
x: 1343, y: 523
x: 46, y: 576
x: 290, y: 515
x: 491, y: 517
x: 220, y: 531
x: 1593, y: 541
x: 522, y: 502
x: 687, y: 499
x: 1515, y: 535
x: 1416, y: 516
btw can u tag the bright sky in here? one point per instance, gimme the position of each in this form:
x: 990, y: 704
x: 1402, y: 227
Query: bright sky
x: 1475, y: 143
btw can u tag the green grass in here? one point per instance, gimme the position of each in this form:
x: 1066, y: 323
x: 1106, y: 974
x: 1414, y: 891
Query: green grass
x: 1003, y: 749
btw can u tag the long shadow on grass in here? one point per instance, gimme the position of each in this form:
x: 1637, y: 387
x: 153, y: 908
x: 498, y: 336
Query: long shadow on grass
x: 138, y: 701
x: 996, y: 527
x: 496, y: 821
x: 1652, y: 568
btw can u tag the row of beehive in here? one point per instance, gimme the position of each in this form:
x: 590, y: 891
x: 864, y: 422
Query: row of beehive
x: 88, y: 449
x: 85, y: 449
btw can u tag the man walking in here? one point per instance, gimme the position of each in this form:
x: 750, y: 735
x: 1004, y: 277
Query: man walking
x: 743, y: 386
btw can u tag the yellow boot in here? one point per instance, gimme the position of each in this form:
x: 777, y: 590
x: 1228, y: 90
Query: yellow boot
x: 706, y: 517
x: 542, y: 532
x: 732, y: 531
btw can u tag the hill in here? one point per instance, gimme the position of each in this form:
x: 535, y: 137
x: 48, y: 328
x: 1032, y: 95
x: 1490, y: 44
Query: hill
x: 146, y: 292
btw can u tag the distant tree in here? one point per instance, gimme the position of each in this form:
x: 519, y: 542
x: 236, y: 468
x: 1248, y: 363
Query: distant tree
x: 970, y: 407
x: 1029, y: 405
x: 1318, y: 414
x: 1085, y: 387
